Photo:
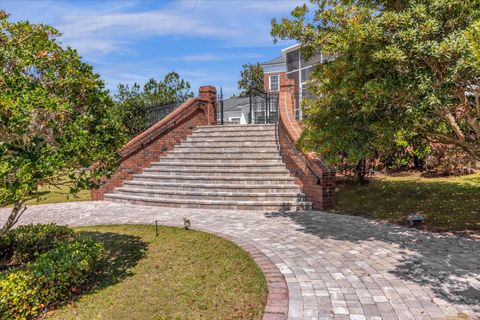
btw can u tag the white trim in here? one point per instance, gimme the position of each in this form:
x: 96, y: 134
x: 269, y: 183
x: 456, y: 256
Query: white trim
x: 291, y: 48
x: 270, y: 82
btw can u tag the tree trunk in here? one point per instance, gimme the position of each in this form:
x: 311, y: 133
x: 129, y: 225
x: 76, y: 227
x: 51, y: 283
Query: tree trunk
x: 361, y: 171
x: 17, y: 211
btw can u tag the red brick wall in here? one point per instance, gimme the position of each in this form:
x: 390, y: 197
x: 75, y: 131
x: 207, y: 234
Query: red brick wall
x: 316, y: 180
x: 156, y: 141
x: 266, y: 80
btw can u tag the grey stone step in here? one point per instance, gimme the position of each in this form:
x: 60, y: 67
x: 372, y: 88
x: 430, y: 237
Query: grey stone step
x: 213, y: 187
x: 222, y: 150
x: 221, y: 161
x: 252, y: 172
x: 209, y: 134
x: 208, y: 204
x: 219, y: 138
x: 214, y: 179
x: 224, y: 156
x: 239, y: 128
x: 233, y: 125
x: 220, y: 195
x: 229, y: 144
x: 260, y: 165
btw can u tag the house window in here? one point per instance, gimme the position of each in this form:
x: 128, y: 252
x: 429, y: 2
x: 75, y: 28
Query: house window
x: 274, y: 83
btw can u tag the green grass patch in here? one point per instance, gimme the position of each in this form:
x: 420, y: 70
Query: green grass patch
x: 49, y: 194
x: 449, y: 203
x: 178, y: 275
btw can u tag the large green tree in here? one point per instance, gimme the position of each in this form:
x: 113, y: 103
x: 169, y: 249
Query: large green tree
x: 405, y: 75
x: 133, y: 102
x: 56, y: 122
x: 251, y: 78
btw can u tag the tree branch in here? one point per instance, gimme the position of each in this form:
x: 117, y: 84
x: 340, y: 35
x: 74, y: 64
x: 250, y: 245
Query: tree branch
x: 453, y: 124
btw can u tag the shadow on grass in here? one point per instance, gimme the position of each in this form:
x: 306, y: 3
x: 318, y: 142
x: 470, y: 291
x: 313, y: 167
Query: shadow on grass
x: 447, y: 205
x: 449, y: 265
x: 123, y: 252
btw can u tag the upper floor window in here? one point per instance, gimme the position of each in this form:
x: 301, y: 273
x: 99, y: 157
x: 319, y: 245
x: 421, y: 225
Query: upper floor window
x: 274, y: 83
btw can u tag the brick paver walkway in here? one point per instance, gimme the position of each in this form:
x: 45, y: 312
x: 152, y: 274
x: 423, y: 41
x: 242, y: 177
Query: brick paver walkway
x: 336, y: 266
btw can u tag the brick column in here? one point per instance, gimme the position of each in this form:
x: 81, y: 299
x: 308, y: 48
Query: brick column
x: 287, y: 87
x: 209, y: 93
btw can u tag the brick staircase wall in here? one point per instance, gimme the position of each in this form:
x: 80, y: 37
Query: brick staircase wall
x: 162, y: 137
x: 316, y: 180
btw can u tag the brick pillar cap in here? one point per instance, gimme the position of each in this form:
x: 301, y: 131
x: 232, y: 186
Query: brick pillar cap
x: 207, y: 89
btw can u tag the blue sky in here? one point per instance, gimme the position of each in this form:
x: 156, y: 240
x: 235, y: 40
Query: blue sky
x: 131, y: 41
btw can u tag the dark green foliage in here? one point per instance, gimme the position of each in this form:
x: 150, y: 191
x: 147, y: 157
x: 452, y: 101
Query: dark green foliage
x: 27, y: 242
x: 405, y: 76
x: 251, y: 77
x: 57, y: 122
x: 132, y: 103
x: 60, y: 265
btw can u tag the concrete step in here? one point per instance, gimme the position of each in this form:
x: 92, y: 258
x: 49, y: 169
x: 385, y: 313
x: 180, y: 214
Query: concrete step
x: 229, y: 144
x: 224, y: 156
x: 225, y: 150
x: 209, y: 204
x: 213, y: 179
x: 246, y: 134
x: 220, y: 138
x: 231, y: 165
x: 213, y: 187
x: 209, y: 171
x: 221, y: 161
x: 239, y: 128
x: 212, y: 195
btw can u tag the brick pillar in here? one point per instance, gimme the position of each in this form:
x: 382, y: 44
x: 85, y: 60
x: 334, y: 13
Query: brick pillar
x: 287, y: 86
x: 209, y: 93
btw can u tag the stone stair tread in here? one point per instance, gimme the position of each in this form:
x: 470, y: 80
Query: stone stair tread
x: 215, y: 193
x: 213, y: 185
x: 228, y: 178
x: 203, y: 151
x: 186, y: 201
x: 216, y: 170
x: 209, y: 164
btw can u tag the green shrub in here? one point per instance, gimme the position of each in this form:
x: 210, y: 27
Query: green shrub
x: 28, y: 242
x: 53, y: 277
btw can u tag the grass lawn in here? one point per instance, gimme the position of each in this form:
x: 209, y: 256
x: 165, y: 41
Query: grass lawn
x: 178, y: 275
x: 449, y: 204
x: 49, y: 194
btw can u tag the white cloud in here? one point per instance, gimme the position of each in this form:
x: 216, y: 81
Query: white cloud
x: 113, y: 27
x: 205, y: 57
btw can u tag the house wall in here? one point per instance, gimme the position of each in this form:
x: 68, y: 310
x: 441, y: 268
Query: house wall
x: 266, y: 79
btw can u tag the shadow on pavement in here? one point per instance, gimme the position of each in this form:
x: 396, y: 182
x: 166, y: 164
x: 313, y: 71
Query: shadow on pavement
x: 449, y: 265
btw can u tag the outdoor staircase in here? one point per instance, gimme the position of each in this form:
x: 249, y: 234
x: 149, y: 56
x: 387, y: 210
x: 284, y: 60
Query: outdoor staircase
x: 220, y: 167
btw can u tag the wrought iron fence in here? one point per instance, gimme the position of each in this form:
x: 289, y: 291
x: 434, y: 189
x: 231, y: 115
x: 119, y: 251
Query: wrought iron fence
x: 155, y: 113
x: 256, y: 108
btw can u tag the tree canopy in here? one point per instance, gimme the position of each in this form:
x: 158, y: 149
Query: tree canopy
x: 134, y: 101
x: 56, y: 121
x: 251, y: 77
x: 406, y: 74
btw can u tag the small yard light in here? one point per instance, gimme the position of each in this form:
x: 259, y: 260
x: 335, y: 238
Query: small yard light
x: 156, y: 227
x: 186, y: 223
x: 415, y: 219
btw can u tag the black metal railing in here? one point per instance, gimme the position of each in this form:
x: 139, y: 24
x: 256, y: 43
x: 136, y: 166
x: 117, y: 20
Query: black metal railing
x: 155, y: 113
x: 256, y: 108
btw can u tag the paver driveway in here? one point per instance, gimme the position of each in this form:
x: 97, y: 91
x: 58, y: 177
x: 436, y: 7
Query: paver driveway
x: 336, y: 266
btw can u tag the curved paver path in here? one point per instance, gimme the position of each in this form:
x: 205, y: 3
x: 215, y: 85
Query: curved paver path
x: 335, y: 266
